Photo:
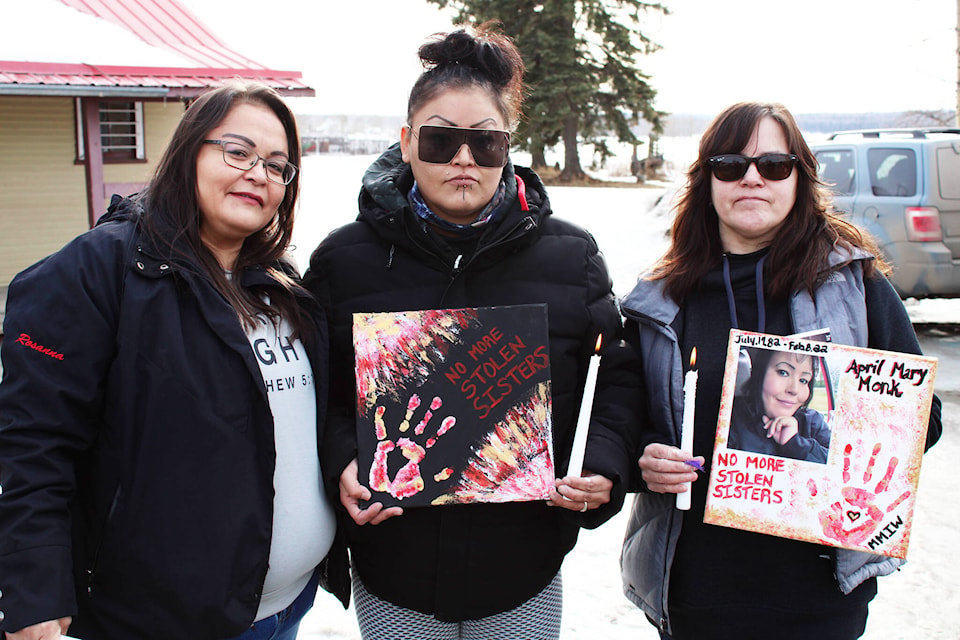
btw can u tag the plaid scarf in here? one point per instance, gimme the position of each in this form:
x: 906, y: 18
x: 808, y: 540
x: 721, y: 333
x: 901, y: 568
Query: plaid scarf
x: 489, y: 212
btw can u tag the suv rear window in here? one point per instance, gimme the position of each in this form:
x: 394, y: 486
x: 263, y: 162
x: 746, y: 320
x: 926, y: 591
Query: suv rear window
x: 835, y: 168
x: 893, y: 172
x: 948, y: 170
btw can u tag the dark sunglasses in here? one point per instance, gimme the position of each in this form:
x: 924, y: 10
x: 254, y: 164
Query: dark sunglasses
x: 771, y: 166
x: 439, y: 145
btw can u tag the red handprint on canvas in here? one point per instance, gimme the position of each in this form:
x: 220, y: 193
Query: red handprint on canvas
x: 407, y: 481
x: 840, y: 521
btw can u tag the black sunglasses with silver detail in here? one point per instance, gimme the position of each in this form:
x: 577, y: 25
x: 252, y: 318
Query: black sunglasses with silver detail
x: 440, y: 145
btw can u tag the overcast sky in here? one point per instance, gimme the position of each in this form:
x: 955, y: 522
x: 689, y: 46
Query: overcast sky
x: 812, y: 55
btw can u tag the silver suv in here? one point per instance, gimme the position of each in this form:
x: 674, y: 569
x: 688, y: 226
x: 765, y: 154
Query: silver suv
x: 903, y: 186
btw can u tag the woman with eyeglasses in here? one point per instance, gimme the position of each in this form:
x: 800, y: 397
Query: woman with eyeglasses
x: 754, y: 246
x: 164, y: 394
x: 448, y: 222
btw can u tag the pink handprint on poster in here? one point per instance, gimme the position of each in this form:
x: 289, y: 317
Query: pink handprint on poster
x: 867, y: 513
x: 407, y: 481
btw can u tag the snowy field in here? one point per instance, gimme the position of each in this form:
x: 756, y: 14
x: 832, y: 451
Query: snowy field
x: 920, y: 601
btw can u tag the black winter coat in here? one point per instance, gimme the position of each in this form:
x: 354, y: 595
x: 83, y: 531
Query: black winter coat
x: 136, y: 446
x: 471, y: 561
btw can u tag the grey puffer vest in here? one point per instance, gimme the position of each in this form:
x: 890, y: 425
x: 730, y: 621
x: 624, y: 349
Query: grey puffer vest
x: 654, y: 526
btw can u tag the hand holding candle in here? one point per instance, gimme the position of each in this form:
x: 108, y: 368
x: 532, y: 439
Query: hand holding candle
x: 686, y: 426
x: 575, y: 467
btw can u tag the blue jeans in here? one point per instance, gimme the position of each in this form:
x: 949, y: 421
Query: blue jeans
x: 284, y: 625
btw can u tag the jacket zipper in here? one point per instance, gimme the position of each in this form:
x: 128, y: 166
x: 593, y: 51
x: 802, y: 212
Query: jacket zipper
x: 103, y: 534
x: 642, y: 317
x: 527, y: 223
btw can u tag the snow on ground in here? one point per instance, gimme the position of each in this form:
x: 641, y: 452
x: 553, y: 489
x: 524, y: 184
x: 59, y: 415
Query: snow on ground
x: 920, y: 601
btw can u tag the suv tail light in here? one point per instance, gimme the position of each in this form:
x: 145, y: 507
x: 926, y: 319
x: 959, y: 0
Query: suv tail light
x: 923, y: 224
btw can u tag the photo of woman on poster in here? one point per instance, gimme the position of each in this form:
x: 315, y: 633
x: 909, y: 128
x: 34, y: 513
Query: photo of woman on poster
x: 771, y: 410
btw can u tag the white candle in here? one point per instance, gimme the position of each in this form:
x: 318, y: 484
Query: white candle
x: 575, y: 467
x: 686, y: 426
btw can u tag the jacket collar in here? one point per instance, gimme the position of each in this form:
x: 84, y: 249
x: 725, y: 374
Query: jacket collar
x: 148, y: 260
x: 648, y: 299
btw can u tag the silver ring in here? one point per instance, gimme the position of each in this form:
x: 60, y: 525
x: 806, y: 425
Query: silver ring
x: 584, y: 510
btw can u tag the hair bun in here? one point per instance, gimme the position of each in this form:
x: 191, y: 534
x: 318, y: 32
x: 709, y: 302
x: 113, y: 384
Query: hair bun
x: 476, y: 52
x: 474, y: 55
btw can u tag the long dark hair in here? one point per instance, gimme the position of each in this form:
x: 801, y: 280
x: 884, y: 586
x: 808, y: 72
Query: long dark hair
x: 172, y: 212
x: 749, y: 403
x: 471, y: 56
x: 807, y: 236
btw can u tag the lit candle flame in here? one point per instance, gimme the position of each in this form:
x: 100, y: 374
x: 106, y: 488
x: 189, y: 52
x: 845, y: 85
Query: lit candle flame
x: 599, y: 340
x: 693, y: 357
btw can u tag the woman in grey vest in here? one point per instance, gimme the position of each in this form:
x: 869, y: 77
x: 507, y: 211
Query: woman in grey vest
x: 754, y: 247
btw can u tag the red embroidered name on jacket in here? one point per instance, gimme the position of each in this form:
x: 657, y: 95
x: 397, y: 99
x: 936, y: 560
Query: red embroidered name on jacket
x: 25, y: 340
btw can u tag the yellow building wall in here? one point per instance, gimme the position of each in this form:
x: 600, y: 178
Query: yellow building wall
x: 43, y: 204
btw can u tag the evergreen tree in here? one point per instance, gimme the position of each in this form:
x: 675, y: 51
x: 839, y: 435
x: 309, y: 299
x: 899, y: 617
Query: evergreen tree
x: 581, y: 58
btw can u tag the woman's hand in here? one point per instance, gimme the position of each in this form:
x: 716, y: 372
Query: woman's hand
x: 781, y: 429
x: 581, y: 493
x: 352, y: 492
x: 49, y: 630
x: 664, y: 469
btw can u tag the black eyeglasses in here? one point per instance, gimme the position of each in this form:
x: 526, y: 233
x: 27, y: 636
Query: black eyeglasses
x: 439, y: 145
x: 771, y: 166
x: 240, y: 156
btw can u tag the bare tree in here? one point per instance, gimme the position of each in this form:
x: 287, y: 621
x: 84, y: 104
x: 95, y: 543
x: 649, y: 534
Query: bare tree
x: 926, y: 118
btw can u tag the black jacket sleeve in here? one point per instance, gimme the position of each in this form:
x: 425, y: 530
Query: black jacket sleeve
x: 339, y: 445
x: 617, y: 405
x: 59, y: 334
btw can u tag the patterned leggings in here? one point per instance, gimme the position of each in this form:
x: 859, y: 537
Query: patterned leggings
x: 536, y: 619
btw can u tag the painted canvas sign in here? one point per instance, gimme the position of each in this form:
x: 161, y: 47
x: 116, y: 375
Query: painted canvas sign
x: 820, y: 442
x: 454, y: 405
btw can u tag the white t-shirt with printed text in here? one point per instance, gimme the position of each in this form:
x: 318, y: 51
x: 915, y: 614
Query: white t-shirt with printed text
x: 304, y: 523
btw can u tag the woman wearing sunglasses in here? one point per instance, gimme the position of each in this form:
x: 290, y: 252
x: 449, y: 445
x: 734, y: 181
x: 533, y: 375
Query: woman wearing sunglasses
x: 755, y: 247
x: 165, y: 380
x: 447, y: 222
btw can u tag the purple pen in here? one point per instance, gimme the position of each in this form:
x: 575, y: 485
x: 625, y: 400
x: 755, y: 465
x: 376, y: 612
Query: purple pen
x: 696, y: 465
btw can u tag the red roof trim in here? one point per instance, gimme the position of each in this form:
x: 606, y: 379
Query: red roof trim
x: 167, y: 24
x: 176, y: 82
x: 62, y: 68
x: 164, y: 24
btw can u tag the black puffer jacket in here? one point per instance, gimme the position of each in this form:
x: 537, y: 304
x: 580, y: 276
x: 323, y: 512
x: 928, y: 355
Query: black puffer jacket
x: 470, y: 561
x: 137, y: 450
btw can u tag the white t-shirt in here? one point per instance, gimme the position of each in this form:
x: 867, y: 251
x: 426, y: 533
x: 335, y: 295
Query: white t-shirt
x: 303, y: 519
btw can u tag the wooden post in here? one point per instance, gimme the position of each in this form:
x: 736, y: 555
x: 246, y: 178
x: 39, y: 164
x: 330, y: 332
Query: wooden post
x: 93, y: 157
